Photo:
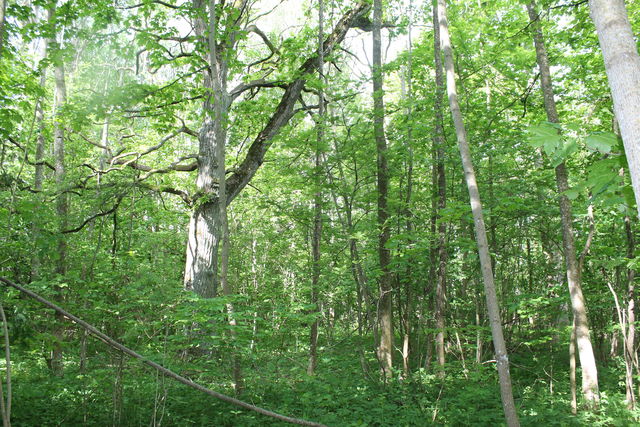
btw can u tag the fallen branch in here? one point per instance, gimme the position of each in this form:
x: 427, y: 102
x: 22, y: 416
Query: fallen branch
x: 112, y: 343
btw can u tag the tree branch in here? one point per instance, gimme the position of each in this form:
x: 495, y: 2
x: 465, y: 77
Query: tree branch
x: 92, y: 217
x: 260, y: 83
x: 160, y: 2
x: 165, y: 189
x: 255, y: 155
x: 274, y: 50
x: 26, y: 155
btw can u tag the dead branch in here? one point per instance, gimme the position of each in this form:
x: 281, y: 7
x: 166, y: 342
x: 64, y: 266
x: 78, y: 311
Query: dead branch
x: 114, y: 344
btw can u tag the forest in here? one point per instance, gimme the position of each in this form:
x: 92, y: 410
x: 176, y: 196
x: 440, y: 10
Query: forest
x: 319, y: 212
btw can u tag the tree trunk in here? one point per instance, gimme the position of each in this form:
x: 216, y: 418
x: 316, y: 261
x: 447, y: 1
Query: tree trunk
x: 40, y: 150
x: 622, y: 63
x: 630, y: 345
x: 385, y: 307
x: 3, y: 9
x: 62, y: 203
x: 407, y: 95
x: 572, y: 369
x: 317, y: 202
x: 439, y: 141
x: 502, y: 359
x: 585, y: 349
x: 207, y: 222
x: 217, y: 110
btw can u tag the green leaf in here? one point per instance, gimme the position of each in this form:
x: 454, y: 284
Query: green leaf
x: 601, y: 141
x: 544, y: 134
x: 572, y: 193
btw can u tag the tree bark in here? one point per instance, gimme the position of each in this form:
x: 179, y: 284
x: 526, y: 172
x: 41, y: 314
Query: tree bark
x: 6, y: 407
x: 385, y: 307
x: 502, y: 359
x: 572, y: 369
x: 407, y: 95
x: 622, y: 63
x: 207, y: 222
x: 585, y: 349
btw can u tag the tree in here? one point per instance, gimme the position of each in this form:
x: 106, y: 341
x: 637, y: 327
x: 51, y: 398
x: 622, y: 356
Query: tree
x: 62, y: 199
x: 201, y: 267
x: 316, y: 236
x: 385, y: 304
x: 578, y: 304
x: 439, y: 142
x: 502, y: 359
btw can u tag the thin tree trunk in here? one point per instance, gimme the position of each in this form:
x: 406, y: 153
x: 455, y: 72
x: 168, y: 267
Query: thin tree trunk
x: 3, y: 408
x: 407, y: 94
x: 502, y: 358
x: 622, y: 63
x: 317, y: 202
x: 630, y: 345
x: 3, y: 8
x: 439, y: 142
x: 40, y: 150
x: 385, y: 307
x: 62, y: 203
x: 116, y: 345
x: 623, y: 328
x: 585, y: 349
x: 478, y: 331
x: 254, y: 279
x: 217, y: 109
x: 6, y: 407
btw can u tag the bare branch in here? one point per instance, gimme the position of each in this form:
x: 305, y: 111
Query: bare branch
x: 274, y: 50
